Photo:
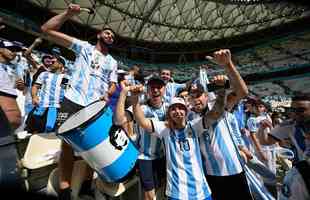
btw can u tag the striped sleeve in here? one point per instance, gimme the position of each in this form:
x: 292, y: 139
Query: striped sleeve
x: 77, y: 45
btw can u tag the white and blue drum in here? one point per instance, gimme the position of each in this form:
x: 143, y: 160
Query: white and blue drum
x: 104, y: 146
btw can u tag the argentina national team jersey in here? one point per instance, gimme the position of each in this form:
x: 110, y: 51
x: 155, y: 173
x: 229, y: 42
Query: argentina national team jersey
x: 52, y: 90
x: 171, y: 90
x: 185, y: 177
x: 150, y: 147
x: 92, y: 75
x: 219, y: 153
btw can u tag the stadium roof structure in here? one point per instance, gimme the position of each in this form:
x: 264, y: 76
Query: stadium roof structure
x: 179, y: 33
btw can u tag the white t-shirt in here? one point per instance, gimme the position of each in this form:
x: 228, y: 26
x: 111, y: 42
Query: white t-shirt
x: 6, y: 85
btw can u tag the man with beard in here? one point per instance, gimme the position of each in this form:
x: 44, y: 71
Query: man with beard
x: 93, y: 78
x: 219, y: 150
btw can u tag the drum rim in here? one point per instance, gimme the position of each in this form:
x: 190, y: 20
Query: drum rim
x: 86, y: 123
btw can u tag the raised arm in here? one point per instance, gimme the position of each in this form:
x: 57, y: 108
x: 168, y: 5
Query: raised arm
x: 145, y: 123
x: 223, y: 58
x: 28, y: 52
x: 120, y: 114
x: 51, y: 27
x: 219, y: 107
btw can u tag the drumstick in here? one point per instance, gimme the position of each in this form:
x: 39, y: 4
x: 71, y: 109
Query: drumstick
x: 89, y: 10
x: 36, y: 42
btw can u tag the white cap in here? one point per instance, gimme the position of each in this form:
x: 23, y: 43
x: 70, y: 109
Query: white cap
x: 177, y: 100
x: 120, y: 71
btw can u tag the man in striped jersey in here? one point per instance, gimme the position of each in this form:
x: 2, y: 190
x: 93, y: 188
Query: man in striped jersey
x: 94, y: 78
x: 220, y: 154
x: 47, y: 94
x: 172, y: 88
x: 185, y: 177
x: 151, y: 161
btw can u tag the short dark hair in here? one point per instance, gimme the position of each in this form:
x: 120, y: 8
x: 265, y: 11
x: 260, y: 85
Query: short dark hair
x: 196, y: 89
x: 107, y: 28
x: 156, y: 79
x: 166, y: 68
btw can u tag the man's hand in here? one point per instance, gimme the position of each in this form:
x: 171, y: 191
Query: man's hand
x: 221, y: 57
x: 245, y: 131
x: 35, y: 101
x: 135, y: 91
x: 20, y: 85
x: 266, y: 124
x: 73, y: 9
x: 219, y: 80
x: 262, y: 156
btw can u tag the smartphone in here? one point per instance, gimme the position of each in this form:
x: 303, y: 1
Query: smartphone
x: 213, y: 87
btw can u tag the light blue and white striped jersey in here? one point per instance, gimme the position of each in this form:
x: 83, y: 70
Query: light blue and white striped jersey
x: 92, y: 75
x: 51, y: 92
x: 185, y: 176
x: 150, y: 147
x: 219, y: 154
x: 172, y: 90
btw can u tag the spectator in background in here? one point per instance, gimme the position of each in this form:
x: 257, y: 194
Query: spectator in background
x: 254, y: 123
x: 291, y: 129
x: 296, y: 183
x: 172, y: 88
x: 47, y: 94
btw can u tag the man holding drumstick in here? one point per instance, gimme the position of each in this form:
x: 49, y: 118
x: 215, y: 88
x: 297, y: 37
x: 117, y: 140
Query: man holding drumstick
x: 93, y: 78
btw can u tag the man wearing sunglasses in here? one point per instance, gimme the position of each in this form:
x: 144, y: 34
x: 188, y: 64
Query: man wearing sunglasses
x: 292, y: 129
x: 94, y: 78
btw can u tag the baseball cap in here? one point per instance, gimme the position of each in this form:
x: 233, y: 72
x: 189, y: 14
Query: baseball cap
x: 13, y: 46
x: 177, y: 100
x: 156, y: 79
x: 196, y: 90
x: 121, y: 71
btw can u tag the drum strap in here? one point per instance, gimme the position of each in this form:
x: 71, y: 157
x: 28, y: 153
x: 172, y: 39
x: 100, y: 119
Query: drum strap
x: 303, y: 168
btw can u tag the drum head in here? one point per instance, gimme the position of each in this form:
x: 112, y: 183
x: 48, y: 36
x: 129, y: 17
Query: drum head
x: 82, y: 117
